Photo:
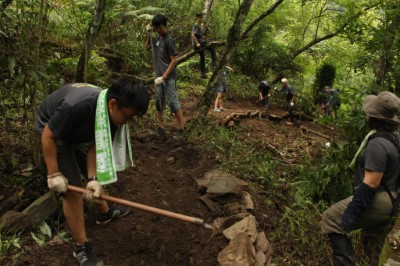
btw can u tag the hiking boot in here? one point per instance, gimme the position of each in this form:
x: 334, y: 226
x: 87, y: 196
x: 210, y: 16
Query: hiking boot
x: 114, y: 212
x: 180, y: 134
x: 160, y: 131
x: 217, y: 110
x: 85, y: 255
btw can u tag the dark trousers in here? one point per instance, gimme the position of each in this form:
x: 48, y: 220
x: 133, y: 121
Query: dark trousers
x: 202, y: 55
x: 290, y: 108
x: 265, y: 102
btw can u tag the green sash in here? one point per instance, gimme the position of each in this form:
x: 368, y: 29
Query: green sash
x: 111, y: 156
x: 361, y: 148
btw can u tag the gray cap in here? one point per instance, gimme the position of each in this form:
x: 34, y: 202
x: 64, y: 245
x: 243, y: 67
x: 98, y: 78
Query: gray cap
x: 383, y: 106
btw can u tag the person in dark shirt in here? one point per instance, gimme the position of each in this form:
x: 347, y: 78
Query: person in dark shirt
x: 199, y: 43
x: 372, y: 205
x: 264, y: 88
x: 290, y: 97
x: 164, y: 53
x: 221, y: 90
x: 66, y: 125
x: 332, y: 101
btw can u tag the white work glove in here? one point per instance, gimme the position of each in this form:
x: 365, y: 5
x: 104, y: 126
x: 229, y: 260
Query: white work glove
x: 275, y: 88
x: 149, y: 27
x: 269, y: 95
x: 292, y: 104
x: 93, y: 191
x: 158, y: 80
x: 57, y: 183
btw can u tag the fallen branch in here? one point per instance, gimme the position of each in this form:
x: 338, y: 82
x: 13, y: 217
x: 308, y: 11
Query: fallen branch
x: 272, y: 148
x: 315, y: 132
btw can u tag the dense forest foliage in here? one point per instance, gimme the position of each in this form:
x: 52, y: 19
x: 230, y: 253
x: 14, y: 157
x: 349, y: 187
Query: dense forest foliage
x: 352, y: 45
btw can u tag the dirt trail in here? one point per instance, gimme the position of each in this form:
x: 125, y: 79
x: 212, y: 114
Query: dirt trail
x: 164, y: 177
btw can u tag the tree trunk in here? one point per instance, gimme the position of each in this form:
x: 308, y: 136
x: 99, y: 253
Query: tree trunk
x: 384, y: 64
x: 232, y: 41
x: 90, y: 38
x: 207, y: 10
x: 391, y: 250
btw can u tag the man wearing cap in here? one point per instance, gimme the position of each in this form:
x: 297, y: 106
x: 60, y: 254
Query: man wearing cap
x: 199, y: 43
x: 289, y: 94
x: 373, y: 203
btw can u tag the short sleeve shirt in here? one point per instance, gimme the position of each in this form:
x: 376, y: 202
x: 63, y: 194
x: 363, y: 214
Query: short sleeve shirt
x: 264, y: 87
x: 224, y: 81
x: 198, y: 32
x: 164, y: 48
x: 70, y: 113
x: 380, y: 155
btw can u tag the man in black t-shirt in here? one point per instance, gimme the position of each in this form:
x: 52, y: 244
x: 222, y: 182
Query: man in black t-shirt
x: 66, y: 124
x: 199, y: 43
x: 264, y: 89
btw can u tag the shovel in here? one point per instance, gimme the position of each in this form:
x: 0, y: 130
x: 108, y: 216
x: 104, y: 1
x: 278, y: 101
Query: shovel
x: 146, y: 208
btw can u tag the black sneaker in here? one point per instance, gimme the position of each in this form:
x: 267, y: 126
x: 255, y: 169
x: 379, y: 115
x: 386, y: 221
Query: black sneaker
x: 160, y: 131
x: 114, y: 212
x: 179, y: 133
x: 85, y: 255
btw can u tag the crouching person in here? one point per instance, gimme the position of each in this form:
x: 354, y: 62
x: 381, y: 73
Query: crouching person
x: 373, y: 204
x: 76, y: 124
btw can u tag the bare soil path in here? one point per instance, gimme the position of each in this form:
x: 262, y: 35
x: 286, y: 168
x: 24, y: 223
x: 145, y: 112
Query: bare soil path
x: 164, y: 177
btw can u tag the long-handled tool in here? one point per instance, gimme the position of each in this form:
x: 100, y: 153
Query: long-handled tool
x: 146, y: 208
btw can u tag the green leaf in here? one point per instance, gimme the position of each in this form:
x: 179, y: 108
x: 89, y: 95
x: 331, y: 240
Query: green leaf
x: 45, y: 229
x: 11, y: 65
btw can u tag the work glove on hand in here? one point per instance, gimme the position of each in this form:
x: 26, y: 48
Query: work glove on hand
x: 149, y: 27
x: 57, y: 183
x: 362, y: 197
x: 276, y: 88
x: 292, y: 104
x: 93, y: 191
x: 198, y: 45
x: 158, y: 80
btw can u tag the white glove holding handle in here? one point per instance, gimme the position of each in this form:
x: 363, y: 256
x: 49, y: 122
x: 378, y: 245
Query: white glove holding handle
x: 93, y: 191
x: 149, y: 27
x: 158, y: 80
x: 57, y: 183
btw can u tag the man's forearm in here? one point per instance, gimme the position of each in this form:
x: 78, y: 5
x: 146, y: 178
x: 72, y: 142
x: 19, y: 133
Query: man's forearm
x: 49, y: 147
x: 91, y: 161
x: 170, y: 67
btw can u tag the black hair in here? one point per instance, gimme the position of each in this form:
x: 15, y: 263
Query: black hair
x: 129, y: 93
x: 159, y: 20
x: 199, y: 15
x: 380, y: 125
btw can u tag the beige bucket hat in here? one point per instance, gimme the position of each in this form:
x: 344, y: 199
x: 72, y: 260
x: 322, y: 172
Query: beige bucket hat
x: 383, y: 106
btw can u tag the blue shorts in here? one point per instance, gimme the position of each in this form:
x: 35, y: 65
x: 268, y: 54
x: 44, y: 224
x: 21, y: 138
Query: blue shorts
x: 166, y: 92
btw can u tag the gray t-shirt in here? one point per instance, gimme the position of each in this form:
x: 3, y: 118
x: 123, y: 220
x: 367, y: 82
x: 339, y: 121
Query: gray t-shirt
x: 198, y: 32
x: 164, y: 48
x: 70, y: 112
x: 380, y: 155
